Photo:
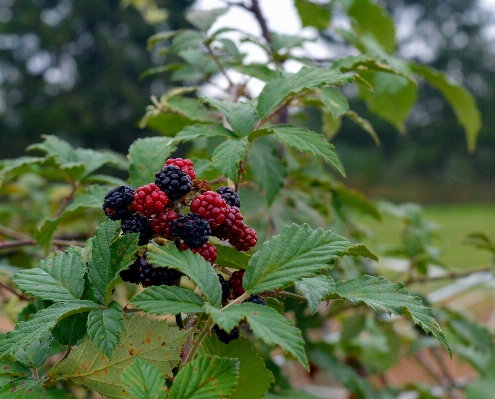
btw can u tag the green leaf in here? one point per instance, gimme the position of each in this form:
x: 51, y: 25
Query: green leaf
x: 370, y: 18
x: 231, y: 257
x: 56, y: 279
x: 258, y: 71
x: 282, y: 41
x: 333, y: 101
x: 105, y: 327
x: 267, y: 325
x: 13, y: 368
x: 22, y: 388
x: 17, y: 165
x: 277, y: 90
x: 143, y: 381
x: 147, y: 156
x: 35, y: 354
x: 460, y: 99
x: 312, y: 14
x: 299, y: 251
x: 240, y: 116
x: 191, y: 108
x: 185, y: 39
x: 383, y: 296
x: 192, y: 265
x: 160, y: 37
x: 252, y: 368
x: 153, y: 341
x: 203, y: 19
x: 356, y: 200
x: 269, y: 172
x: 164, y: 300
x: 359, y: 250
x: 227, y: 157
x: 70, y: 330
x: 201, y: 130
x: 207, y: 377
x: 40, y: 323
x: 364, y: 124
x: 315, y: 290
x: 306, y: 140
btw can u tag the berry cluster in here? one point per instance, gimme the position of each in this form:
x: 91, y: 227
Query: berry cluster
x: 157, y: 210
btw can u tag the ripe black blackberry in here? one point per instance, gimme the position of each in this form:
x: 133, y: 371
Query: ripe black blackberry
x: 256, y: 299
x: 192, y: 228
x: 173, y: 181
x: 118, y: 203
x: 131, y: 275
x: 225, y: 336
x: 226, y: 288
x: 147, y: 274
x: 138, y: 224
x: 229, y: 195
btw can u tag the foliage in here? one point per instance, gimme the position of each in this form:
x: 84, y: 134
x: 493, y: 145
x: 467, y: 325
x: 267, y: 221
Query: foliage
x: 283, y: 174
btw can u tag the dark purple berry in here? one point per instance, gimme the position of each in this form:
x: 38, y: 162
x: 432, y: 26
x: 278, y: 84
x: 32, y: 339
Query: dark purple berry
x: 229, y: 195
x: 173, y: 181
x: 192, y: 228
x: 118, y: 203
x: 138, y: 224
x: 225, y: 336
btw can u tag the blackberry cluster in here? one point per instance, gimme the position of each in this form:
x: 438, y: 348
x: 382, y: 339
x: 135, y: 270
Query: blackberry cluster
x: 147, y: 274
x: 178, y: 207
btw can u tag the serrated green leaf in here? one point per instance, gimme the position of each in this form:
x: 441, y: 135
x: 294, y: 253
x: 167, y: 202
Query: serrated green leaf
x: 105, y: 327
x: 203, y: 19
x: 13, y: 368
x: 153, y: 341
x: 252, y: 368
x: 258, y: 71
x: 207, y: 377
x: 240, y: 116
x: 17, y: 165
x: 227, y: 157
x: 143, y: 381
x: 299, y: 251
x: 160, y: 37
x: 364, y: 124
x: 192, y: 265
x: 267, y: 325
x: 315, y: 290
x: 35, y: 354
x: 275, y: 91
x: 333, y: 101
x: 312, y: 14
x: 185, y: 39
x: 147, y: 156
x: 201, y: 130
x: 306, y: 140
x: 164, y: 300
x: 460, y: 100
x: 70, y: 330
x: 370, y: 18
x: 55, y: 279
x: 231, y: 257
x: 269, y: 172
x: 383, y: 296
x: 40, y: 323
x: 356, y: 200
x: 359, y: 250
x: 191, y: 108
x: 22, y: 388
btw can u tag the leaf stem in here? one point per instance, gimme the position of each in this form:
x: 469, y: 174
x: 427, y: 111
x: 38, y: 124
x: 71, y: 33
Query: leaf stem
x: 288, y: 294
x: 199, y: 339
x: 219, y: 64
x: 68, y: 199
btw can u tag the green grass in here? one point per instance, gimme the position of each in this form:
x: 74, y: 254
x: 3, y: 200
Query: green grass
x: 455, y: 222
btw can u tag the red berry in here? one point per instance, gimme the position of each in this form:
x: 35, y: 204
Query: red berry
x: 183, y: 164
x: 150, y: 200
x: 236, y: 282
x: 162, y: 223
x: 210, y: 206
x: 245, y: 240
x: 232, y: 225
x: 208, y: 251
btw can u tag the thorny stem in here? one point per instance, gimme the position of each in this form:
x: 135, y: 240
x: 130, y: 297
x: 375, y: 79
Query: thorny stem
x: 188, y: 345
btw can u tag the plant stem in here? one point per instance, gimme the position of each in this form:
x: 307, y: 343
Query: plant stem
x: 255, y: 9
x: 188, y: 345
x: 219, y: 64
x: 199, y: 339
x: 12, y: 290
x: 451, y: 275
x: 68, y: 199
x: 239, y: 171
x: 17, y: 243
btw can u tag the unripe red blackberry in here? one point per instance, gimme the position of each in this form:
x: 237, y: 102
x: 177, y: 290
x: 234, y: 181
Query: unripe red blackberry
x: 210, y: 206
x: 173, y: 181
x: 245, y: 240
x: 185, y: 165
x: 162, y: 223
x: 192, y: 228
x: 138, y: 224
x: 225, y: 336
x: 229, y: 195
x: 236, y: 282
x: 118, y: 203
x: 150, y: 200
x: 232, y: 225
x: 208, y: 251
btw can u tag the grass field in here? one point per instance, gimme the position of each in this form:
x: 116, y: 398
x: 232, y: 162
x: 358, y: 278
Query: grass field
x: 455, y: 222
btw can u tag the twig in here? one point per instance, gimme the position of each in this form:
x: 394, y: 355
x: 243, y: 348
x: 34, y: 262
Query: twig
x: 451, y: 384
x: 199, y: 339
x: 287, y: 294
x: 188, y: 345
x: 219, y: 64
x: 66, y: 353
x: 451, y: 275
x: 5, y: 231
x: 12, y: 290
x: 255, y: 9
x: 425, y: 364
x: 67, y: 200
x: 68, y: 243
x: 17, y: 243
x: 239, y: 171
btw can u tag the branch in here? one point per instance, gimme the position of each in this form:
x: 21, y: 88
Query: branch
x: 219, y: 64
x: 17, y: 243
x: 450, y: 275
x: 12, y: 290
x: 255, y: 9
x: 188, y: 345
x: 67, y: 200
